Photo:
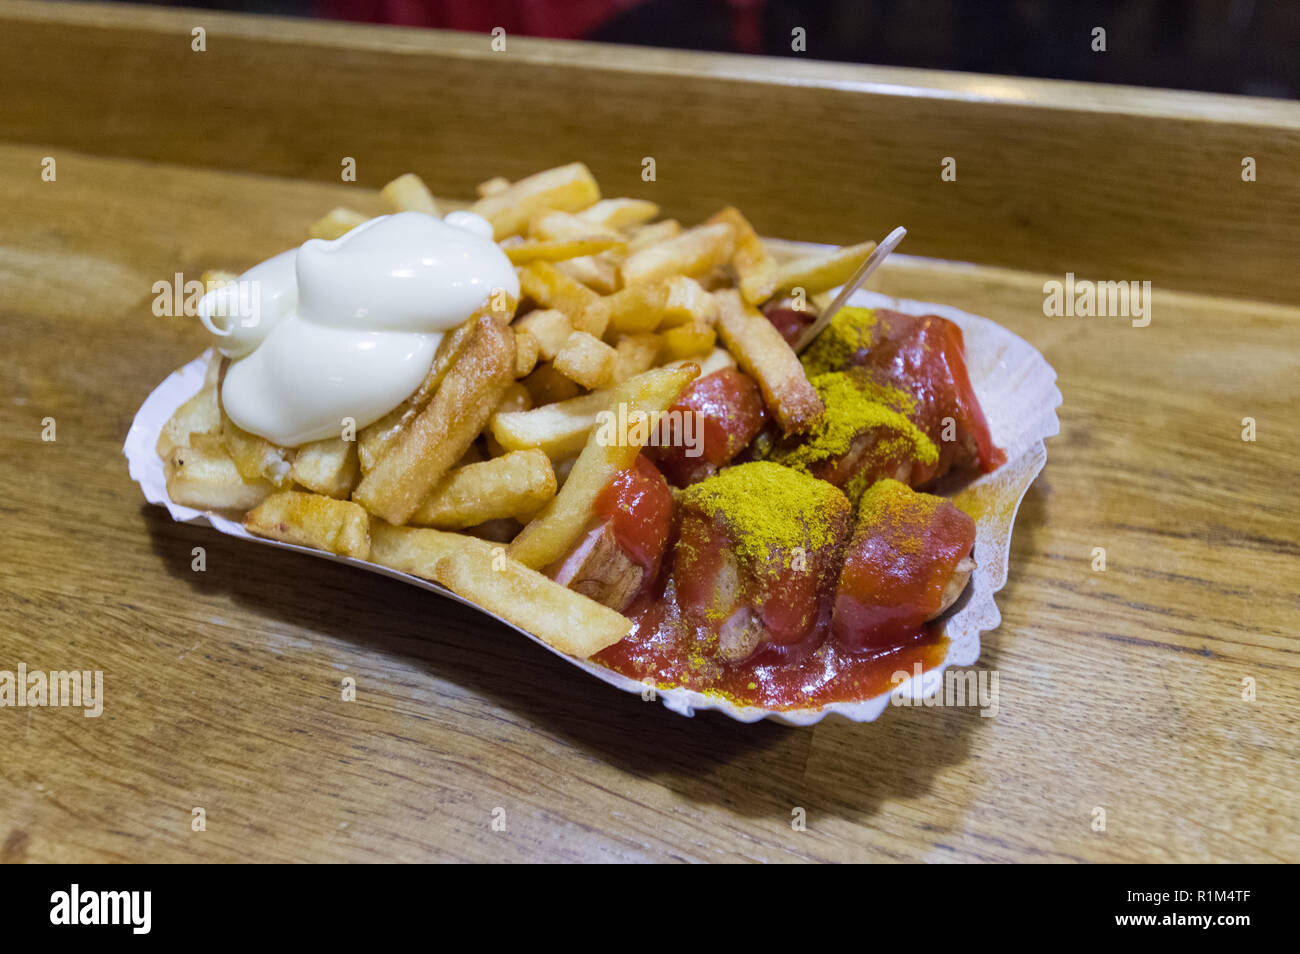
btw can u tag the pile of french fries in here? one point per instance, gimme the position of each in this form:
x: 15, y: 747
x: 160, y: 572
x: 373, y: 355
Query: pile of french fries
x: 488, y: 474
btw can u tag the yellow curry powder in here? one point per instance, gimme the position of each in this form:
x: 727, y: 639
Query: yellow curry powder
x: 907, y: 512
x: 770, y: 511
x: 854, y: 404
x: 850, y: 331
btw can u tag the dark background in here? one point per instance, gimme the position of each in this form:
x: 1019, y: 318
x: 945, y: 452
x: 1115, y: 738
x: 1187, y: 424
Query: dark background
x: 1232, y: 46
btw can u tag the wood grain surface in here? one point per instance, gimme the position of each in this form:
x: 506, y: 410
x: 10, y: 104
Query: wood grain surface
x: 1120, y: 690
x: 1111, y: 183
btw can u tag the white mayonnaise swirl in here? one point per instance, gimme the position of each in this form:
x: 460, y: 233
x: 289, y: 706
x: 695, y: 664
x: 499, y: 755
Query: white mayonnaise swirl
x: 347, y: 328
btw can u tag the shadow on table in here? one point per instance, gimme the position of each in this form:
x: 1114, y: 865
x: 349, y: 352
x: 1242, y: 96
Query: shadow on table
x: 763, y: 769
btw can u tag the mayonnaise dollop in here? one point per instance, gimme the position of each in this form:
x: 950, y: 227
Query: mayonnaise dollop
x: 347, y: 328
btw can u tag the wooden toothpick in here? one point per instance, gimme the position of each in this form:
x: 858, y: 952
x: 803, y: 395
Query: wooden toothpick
x: 878, y: 255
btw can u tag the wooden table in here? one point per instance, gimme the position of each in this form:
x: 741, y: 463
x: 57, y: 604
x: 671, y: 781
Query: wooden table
x: 1120, y: 690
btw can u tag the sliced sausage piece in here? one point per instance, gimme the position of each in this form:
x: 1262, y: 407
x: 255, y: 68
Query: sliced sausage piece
x: 908, y: 561
x: 624, y: 545
x: 711, y: 422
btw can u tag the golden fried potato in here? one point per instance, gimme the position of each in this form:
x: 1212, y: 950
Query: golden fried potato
x: 619, y: 213
x: 634, y: 354
x: 408, y: 193
x: 517, y: 484
x: 686, y: 341
x: 586, y: 360
x: 551, y: 288
x: 201, y: 414
x: 675, y: 300
x: 558, y: 250
x: 527, y: 351
x: 550, y: 326
x: 565, y: 188
x: 546, y: 385
x: 312, y: 520
x: 425, y: 450
x: 817, y: 273
x: 563, y: 619
x: 693, y: 252
x: 255, y: 456
x: 204, y: 477
x: 764, y: 355
x: 337, y: 223
x: 326, y: 467
x: 559, y: 429
x: 755, y: 268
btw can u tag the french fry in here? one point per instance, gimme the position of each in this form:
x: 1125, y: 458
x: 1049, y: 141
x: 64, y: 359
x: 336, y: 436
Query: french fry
x: 425, y: 450
x: 764, y: 355
x: 675, y: 300
x: 634, y: 354
x: 417, y: 550
x: 408, y: 193
x: 550, y: 326
x: 337, y: 223
x: 559, y: 430
x: 557, y: 226
x: 204, y: 477
x: 312, y: 520
x: 817, y: 273
x: 515, y: 485
x: 633, y: 403
x: 597, y: 272
x: 374, y: 439
x: 643, y: 236
x: 693, y: 252
x: 755, y: 268
x: 563, y: 619
x: 551, y: 288
x: 619, y: 213
x: 326, y: 467
x: 255, y: 456
x: 557, y: 250
x: 686, y: 341
x: 201, y: 414
x: 546, y: 385
x: 566, y: 188
x: 493, y: 186
x: 516, y: 398
x: 586, y: 360
x: 527, y: 351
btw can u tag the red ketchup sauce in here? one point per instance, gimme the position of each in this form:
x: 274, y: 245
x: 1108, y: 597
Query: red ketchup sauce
x: 661, y: 650
x: 925, y: 356
x: 639, y: 505
x: 896, y: 567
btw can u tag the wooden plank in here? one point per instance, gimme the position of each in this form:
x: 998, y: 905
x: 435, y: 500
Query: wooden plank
x: 1111, y: 184
x: 1119, y: 690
